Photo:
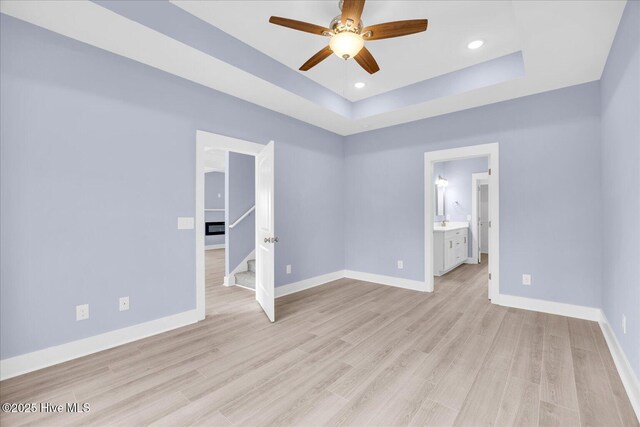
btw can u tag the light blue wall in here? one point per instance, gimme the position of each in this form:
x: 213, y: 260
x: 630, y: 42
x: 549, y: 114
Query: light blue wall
x: 458, y: 174
x: 621, y: 183
x: 549, y: 188
x: 240, y: 184
x: 98, y: 161
x: 214, y: 186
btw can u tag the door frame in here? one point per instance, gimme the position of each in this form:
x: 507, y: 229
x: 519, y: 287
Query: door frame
x: 477, y: 179
x: 491, y: 151
x: 218, y: 142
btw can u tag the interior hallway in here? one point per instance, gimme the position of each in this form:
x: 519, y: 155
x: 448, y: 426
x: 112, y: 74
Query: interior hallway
x: 347, y: 353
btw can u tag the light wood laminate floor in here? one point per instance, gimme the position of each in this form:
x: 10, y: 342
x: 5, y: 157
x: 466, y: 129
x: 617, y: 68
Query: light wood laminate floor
x: 347, y: 353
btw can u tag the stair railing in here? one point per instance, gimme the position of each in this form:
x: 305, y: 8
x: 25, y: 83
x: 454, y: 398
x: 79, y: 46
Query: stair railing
x: 246, y: 214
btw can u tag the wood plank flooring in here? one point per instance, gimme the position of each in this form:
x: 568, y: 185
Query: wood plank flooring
x: 346, y: 353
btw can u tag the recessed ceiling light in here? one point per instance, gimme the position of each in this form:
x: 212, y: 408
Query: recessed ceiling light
x: 359, y: 85
x: 475, y: 44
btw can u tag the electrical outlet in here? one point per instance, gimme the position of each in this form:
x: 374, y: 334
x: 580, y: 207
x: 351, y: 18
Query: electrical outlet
x: 624, y: 324
x: 124, y: 303
x: 82, y: 312
x: 526, y: 279
x: 289, y: 269
x: 400, y: 264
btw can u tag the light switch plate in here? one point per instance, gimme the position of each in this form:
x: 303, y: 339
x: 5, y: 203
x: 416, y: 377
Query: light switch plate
x: 289, y: 269
x: 526, y: 279
x: 124, y: 304
x: 624, y: 324
x: 186, y: 223
x: 82, y: 312
x: 400, y: 264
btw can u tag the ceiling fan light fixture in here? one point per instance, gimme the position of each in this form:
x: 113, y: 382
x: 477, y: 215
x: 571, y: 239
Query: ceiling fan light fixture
x: 346, y: 44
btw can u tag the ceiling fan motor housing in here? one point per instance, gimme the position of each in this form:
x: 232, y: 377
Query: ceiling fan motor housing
x: 337, y: 26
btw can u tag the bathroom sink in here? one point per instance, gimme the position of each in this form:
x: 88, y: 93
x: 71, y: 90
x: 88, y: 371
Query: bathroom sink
x: 437, y: 226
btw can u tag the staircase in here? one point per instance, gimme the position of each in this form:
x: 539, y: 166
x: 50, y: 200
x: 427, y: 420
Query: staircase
x: 247, y: 279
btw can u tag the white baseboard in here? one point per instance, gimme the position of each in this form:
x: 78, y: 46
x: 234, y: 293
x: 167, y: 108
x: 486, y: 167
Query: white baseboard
x: 350, y: 274
x: 209, y: 247
x: 29, y: 362
x: 551, y: 307
x: 312, y: 282
x: 471, y: 260
x: 415, y: 285
x: 627, y: 375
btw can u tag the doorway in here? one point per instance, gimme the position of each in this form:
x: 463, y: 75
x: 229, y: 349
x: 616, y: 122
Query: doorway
x: 432, y: 196
x: 480, y: 220
x: 264, y: 216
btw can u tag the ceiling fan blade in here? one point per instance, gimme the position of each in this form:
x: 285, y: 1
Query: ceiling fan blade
x: 366, y: 61
x: 352, y: 9
x: 316, y: 59
x: 300, y: 25
x: 394, y: 29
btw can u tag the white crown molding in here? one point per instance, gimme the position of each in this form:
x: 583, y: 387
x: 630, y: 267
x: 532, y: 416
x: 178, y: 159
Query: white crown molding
x: 40, y: 359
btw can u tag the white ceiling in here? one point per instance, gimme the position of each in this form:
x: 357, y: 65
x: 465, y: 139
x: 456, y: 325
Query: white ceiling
x: 564, y: 43
x: 403, y: 61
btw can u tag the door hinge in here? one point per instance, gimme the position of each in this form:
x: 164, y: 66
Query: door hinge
x: 489, y: 171
x: 489, y: 276
x: 489, y: 224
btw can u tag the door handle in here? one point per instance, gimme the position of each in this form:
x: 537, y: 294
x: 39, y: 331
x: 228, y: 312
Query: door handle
x: 450, y: 244
x: 271, y: 240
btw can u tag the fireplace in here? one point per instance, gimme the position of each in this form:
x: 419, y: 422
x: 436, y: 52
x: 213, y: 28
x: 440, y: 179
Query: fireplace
x: 213, y: 228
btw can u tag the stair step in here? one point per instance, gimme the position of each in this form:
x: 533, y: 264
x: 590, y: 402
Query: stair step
x: 252, y: 265
x: 246, y: 279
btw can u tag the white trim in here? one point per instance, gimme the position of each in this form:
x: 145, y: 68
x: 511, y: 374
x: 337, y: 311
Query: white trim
x: 214, y: 210
x: 218, y: 142
x: 627, y: 375
x: 230, y: 279
x: 40, y: 359
x: 551, y: 307
x: 431, y: 157
x: 309, y: 283
x: 210, y: 247
x: 470, y: 260
x: 476, y: 180
x: 244, y: 215
x: 397, y: 282
x: 379, y: 279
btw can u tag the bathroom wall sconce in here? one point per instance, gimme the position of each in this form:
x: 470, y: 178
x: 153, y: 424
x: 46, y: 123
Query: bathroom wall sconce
x: 441, y: 182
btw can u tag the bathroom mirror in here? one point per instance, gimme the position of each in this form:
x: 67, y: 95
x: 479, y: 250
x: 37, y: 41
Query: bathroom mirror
x: 439, y: 200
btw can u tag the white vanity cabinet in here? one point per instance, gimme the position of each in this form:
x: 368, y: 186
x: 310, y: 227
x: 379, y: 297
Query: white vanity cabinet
x: 450, y: 248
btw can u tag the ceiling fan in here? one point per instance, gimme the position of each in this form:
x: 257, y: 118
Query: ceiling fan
x: 348, y: 34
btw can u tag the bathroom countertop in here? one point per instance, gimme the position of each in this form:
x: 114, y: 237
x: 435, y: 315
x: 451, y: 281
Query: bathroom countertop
x: 450, y: 226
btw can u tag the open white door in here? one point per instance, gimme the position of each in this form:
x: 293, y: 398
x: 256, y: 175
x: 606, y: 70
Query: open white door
x: 265, y: 225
